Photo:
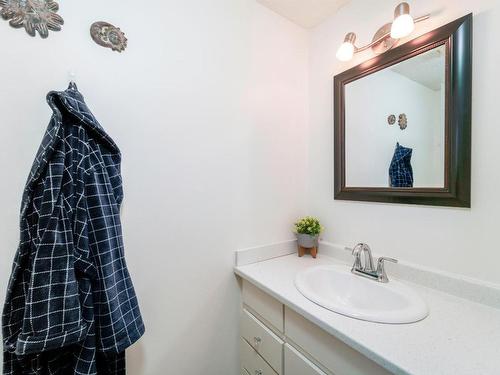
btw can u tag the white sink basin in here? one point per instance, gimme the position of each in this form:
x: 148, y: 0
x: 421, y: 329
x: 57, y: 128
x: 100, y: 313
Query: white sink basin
x: 337, y: 289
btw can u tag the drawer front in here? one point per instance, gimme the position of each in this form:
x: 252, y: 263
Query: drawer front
x: 263, y: 340
x: 252, y: 361
x: 332, y: 353
x: 264, y: 305
x: 297, y: 364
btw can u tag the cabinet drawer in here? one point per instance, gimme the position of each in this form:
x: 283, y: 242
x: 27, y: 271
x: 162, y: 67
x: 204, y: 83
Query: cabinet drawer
x: 332, y: 353
x: 264, y: 305
x: 252, y: 361
x: 263, y: 340
x: 297, y: 364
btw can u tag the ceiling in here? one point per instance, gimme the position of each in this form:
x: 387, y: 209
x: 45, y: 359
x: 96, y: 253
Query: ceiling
x: 306, y: 13
x: 428, y: 68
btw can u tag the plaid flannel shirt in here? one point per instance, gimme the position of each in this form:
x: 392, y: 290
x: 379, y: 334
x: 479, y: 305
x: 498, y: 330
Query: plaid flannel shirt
x: 400, y: 170
x: 71, y: 307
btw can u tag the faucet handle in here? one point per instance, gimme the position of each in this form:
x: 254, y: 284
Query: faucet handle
x: 381, y: 274
x: 381, y: 260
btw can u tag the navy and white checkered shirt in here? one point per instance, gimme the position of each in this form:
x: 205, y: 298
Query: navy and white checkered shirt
x: 400, y: 170
x: 71, y: 307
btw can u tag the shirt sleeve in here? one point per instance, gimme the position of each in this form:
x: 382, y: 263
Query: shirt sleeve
x: 53, y: 315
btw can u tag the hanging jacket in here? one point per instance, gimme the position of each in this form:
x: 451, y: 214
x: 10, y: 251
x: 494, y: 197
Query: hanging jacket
x: 400, y: 170
x: 71, y: 307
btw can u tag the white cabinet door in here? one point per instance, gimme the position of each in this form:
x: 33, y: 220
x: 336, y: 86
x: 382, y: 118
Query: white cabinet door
x: 332, y: 353
x: 252, y: 361
x: 297, y: 364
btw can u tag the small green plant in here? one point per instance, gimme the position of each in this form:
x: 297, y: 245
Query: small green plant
x: 308, y: 225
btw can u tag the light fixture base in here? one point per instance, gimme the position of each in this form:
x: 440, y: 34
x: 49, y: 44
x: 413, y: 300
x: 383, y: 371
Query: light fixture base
x: 386, y: 42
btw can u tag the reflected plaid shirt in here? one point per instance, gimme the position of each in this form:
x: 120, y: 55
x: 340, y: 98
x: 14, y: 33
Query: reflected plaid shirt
x: 400, y: 170
x: 71, y: 307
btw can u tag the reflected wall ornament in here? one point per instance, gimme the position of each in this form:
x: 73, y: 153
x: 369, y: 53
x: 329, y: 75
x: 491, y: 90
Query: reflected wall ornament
x: 33, y: 15
x: 109, y: 36
x: 403, y: 121
x: 391, y: 120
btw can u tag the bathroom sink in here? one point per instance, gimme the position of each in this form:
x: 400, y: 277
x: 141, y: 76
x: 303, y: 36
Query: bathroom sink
x: 335, y: 288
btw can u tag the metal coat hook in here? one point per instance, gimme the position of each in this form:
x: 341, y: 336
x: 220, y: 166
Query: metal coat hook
x: 72, y: 79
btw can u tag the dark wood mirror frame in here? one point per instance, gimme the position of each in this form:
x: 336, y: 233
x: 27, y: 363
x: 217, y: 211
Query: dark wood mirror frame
x: 457, y: 39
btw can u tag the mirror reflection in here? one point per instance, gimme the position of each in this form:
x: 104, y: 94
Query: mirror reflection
x: 395, y: 125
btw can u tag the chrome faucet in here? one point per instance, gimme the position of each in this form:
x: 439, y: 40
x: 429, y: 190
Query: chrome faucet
x: 363, y: 264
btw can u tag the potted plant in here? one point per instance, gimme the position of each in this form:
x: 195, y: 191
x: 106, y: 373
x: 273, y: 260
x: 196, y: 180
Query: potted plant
x: 307, y: 231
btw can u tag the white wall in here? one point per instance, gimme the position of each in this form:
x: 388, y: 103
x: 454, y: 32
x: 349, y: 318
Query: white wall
x: 209, y: 107
x: 370, y: 141
x: 462, y: 241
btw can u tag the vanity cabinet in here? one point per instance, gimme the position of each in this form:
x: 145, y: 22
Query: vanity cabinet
x: 268, y: 308
x: 297, y: 364
x: 327, y: 349
x: 262, y: 340
x: 252, y: 362
x: 277, y: 341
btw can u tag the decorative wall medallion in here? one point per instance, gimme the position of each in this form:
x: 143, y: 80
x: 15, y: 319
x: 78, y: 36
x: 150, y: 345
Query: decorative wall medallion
x: 108, y: 36
x: 391, y: 119
x: 403, y: 121
x: 33, y: 15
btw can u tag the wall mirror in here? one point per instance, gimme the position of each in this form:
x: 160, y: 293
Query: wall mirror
x: 403, y: 122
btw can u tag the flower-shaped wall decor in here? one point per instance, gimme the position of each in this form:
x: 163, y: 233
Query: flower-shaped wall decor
x: 108, y: 36
x: 33, y: 15
x: 403, y: 121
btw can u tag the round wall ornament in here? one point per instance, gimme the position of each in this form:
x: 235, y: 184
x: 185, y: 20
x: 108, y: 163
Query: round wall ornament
x: 34, y: 15
x: 391, y: 120
x: 109, y: 36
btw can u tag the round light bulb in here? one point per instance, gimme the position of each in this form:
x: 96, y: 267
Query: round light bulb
x: 345, y: 51
x: 402, y: 26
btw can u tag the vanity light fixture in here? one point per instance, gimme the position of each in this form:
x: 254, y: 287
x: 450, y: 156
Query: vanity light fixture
x: 386, y: 37
x: 347, y: 49
x: 403, y: 24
